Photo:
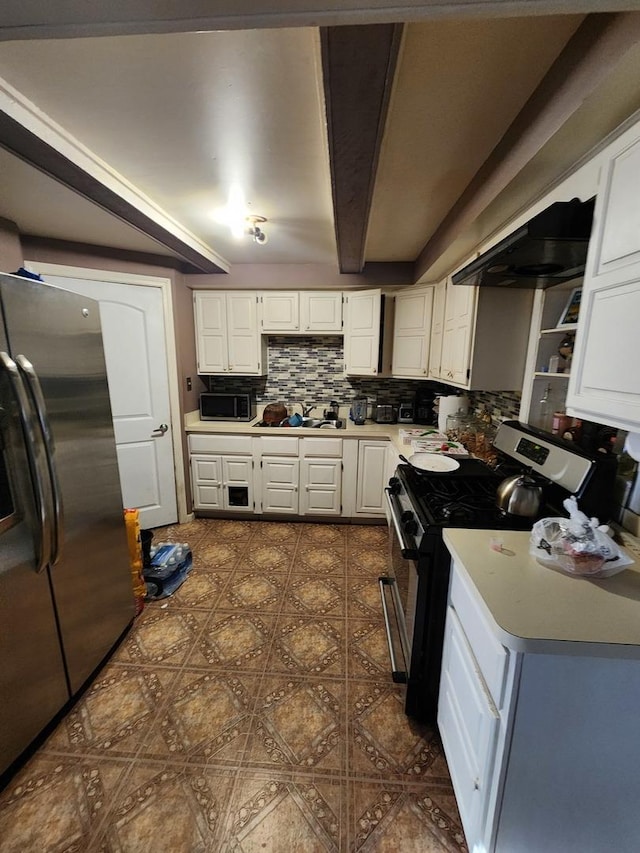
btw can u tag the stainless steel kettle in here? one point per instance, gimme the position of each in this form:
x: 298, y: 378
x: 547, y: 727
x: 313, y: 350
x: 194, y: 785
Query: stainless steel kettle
x: 519, y: 495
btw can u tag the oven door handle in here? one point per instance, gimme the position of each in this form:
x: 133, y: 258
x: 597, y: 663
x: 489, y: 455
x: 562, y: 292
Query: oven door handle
x: 407, y: 551
x: 398, y: 675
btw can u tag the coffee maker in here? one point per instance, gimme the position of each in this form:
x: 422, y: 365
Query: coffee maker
x: 423, y: 406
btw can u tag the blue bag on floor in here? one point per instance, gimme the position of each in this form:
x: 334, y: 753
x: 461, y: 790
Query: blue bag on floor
x: 171, y: 563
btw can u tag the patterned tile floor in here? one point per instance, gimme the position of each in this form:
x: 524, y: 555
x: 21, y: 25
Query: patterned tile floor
x: 251, y: 711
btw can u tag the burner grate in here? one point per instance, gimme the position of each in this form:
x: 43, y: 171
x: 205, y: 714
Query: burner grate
x: 464, y: 498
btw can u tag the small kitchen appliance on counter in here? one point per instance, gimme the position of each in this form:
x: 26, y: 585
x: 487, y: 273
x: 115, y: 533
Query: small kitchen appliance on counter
x: 405, y: 413
x: 422, y: 504
x: 384, y: 413
x: 423, y: 406
x: 359, y: 410
x: 226, y: 407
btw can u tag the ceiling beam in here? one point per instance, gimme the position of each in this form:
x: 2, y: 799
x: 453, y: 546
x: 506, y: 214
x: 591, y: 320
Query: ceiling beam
x: 589, y: 57
x: 33, y: 19
x: 358, y: 65
x: 28, y: 146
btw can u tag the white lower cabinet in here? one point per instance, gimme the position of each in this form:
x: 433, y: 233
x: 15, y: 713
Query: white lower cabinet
x: 222, y: 482
x: 315, y: 475
x: 541, y: 747
x: 279, y: 470
x: 468, y: 721
x: 372, y: 477
x: 321, y: 476
x: 300, y: 476
x: 321, y: 487
x: 280, y: 478
x: 222, y: 472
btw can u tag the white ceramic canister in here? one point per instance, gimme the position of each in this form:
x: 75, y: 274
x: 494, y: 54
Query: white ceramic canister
x: 450, y: 405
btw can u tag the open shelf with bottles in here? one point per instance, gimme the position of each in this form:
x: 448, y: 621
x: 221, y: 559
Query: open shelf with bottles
x: 546, y: 375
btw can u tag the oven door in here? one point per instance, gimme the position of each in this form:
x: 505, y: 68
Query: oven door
x: 399, y: 590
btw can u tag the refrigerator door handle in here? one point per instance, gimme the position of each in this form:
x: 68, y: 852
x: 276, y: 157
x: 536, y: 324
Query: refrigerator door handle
x: 35, y: 389
x: 37, y: 462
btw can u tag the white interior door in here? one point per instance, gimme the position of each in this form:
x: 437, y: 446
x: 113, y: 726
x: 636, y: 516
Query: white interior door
x: 133, y: 332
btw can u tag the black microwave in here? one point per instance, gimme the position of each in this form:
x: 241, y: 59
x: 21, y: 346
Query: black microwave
x: 226, y: 407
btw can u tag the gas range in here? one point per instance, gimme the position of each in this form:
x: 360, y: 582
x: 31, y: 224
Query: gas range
x: 421, y: 504
x: 462, y: 498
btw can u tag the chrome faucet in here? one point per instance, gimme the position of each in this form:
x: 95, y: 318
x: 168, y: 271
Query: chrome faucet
x: 306, y: 410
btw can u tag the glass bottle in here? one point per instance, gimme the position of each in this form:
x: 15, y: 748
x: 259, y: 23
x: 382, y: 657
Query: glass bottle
x: 545, y: 409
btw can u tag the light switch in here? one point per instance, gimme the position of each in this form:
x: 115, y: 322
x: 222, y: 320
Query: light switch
x: 189, y: 385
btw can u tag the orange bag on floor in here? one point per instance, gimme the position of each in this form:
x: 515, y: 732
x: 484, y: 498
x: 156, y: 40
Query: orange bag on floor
x: 132, y: 523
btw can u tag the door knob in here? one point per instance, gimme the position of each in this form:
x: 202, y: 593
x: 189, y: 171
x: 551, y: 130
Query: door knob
x: 160, y: 430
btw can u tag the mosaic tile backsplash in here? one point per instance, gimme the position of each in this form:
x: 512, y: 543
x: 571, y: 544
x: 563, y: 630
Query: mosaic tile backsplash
x: 310, y: 369
x: 505, y: 402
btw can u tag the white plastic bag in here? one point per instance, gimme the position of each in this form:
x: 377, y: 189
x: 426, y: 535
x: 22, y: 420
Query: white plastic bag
x: 576, y: 545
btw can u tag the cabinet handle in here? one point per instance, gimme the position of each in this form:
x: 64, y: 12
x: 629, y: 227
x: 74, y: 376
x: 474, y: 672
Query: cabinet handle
x: 476, y: 784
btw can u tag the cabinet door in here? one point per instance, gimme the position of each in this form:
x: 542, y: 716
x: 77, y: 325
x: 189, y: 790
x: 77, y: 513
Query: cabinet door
x: 211, y: 332
x: 320, y: 486
x: 468, y: 723
x: 412, y: 333
x: 362, y: 333
x: 320, y: 312
x: 280, y: 485
x: 604, y: 384
x: 458, y: 330
x: 243, y: 334
x: 372, y: 460
x: 437, y: 329
x: 237, y: 477
x: 206, y: 481
x: 280, y: 312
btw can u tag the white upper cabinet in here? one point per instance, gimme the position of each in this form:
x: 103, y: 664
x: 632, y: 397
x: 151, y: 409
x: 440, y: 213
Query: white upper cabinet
x: 604, y: 384
x: 320, y: 311
x: 211, y: 332
x: 362, y: 333
x: 458, y: 333
x: 227, y: 333
x: 479, y: 336
x: 412, y: 333
x: 437, y: 329
x: 301, y: 312
x: 280, y: 311
x: 368, y: 333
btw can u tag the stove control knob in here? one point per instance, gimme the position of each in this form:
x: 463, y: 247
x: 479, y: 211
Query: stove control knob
x: 409, y: 524
x: 394, y: 486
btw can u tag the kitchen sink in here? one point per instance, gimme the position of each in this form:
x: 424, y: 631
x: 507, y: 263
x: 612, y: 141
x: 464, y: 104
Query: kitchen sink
x: 308, y: 423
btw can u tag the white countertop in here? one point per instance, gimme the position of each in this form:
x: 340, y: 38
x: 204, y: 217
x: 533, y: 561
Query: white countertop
x: 369, y: 429
x: 537, y: 609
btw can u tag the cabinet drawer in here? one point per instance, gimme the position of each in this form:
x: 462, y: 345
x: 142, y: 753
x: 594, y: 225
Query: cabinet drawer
x: 492, y: 657
x: 220, y: 443
x: 468, y: 722
x: 278, y: 445
x: 331, y: 447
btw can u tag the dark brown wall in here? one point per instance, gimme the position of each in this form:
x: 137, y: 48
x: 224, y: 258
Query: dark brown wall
x: 10, y: 248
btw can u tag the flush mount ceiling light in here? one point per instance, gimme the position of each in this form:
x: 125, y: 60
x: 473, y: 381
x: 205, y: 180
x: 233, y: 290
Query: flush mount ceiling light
x: 254, y: 229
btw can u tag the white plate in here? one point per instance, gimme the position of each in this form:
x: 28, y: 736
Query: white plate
x: 632, y: 445
x: 433, y: 462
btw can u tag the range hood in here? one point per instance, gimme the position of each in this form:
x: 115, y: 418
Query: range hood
x: 549, y: 249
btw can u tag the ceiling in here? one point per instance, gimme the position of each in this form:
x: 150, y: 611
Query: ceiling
x: 134, y: 141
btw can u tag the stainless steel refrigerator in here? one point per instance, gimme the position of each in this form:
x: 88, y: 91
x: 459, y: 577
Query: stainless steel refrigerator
x: 65, y: 582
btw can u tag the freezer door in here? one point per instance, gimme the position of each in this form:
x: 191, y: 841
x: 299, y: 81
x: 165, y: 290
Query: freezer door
x: 33, y: 687
x: 58, y: 333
